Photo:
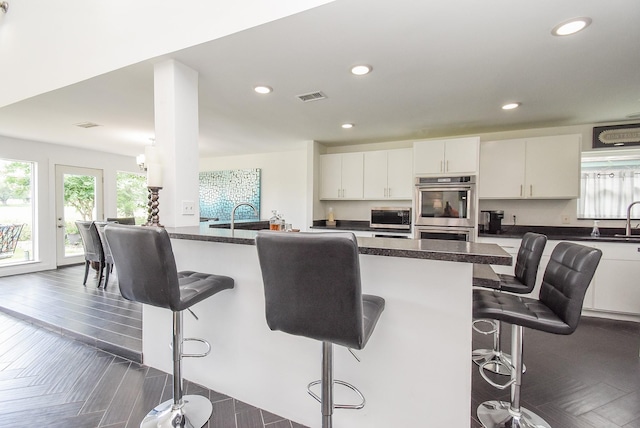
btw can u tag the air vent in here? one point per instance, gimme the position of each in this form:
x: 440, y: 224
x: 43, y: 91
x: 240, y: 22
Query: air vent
x: 312, y: 96
x: 86, y: 124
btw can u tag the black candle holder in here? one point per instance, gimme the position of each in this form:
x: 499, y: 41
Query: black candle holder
x: 153, y: 219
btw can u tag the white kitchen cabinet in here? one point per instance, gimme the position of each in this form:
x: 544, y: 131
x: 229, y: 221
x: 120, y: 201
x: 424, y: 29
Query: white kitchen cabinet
x: 341, y: 176
x: 617, y: 287
x: 502, y: 167
x: 530, y: 168
x: 387, y: 174
x: 446, y: 157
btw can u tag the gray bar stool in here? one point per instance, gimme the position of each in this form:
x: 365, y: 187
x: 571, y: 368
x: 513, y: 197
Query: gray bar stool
x: 93, y: 251
x: 522, y: 282
x: 557, y: 311
x: 147, y: 274
x: 312, y: 288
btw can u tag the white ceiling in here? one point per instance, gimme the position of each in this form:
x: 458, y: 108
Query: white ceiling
x: 440, y: 69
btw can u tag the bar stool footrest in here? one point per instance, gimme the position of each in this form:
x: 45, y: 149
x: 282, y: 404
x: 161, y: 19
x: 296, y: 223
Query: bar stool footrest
x: 492, y: 323
x: 193, y: 339
x: 483, y: 368
x: 338, y: 406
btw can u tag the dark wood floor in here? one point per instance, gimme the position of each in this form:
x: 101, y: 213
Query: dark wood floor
x: 590, y: 379
x: 49, y: 376
x: 56, y: 299
x: 50, y: 380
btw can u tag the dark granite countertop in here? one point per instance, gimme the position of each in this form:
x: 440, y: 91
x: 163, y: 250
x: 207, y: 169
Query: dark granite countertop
x: 355, y: 225
x: 429, y: 249
x: 567, y: 233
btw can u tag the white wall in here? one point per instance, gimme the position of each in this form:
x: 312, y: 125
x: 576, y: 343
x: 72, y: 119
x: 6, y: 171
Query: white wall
x: 283, y: 181
x: 46, y: 157
x: 40, y: 47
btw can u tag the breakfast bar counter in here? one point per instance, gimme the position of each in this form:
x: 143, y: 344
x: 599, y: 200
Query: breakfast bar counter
x: 415, y: 370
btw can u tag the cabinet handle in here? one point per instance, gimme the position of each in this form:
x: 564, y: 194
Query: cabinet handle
x: 447, y: 166
x: 389, y: 192
x: 521, y: 190
x: 386, y: 192
x: 441, y: 166
x: 531, y: 190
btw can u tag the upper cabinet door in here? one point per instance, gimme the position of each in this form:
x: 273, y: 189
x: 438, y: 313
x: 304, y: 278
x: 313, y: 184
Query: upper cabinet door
x: 461, y: 155
x: 375, y: 175
x: 553, y: 167
x: 428, y: 157
x: 330, y: 176
x: 352, y: 175
x: 446, y: 157
x: 531, y: 168
x: 399, y: 174
x: 502, y: 167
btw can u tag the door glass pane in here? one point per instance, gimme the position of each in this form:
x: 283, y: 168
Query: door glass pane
x: 16, y: 211
x: 132, y: 196
x: 79, y: 204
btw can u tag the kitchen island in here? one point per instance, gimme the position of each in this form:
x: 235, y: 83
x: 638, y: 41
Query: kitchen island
x: 415, y: 370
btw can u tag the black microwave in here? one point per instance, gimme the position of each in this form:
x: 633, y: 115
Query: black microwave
x: 391, y: 218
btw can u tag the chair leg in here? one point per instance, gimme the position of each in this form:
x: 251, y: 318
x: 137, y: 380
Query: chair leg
x: 500, y: 414
x: 100, y: 272
x: 106, y: 275
x: 181, y: 411
x: 86, y: 272
x: 327, y: 385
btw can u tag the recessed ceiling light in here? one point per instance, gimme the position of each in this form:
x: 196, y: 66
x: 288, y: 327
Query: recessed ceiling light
x: 361, y: 70
x: 347, y: 125
x: 510, y: 106
x: 263, y: 89
x: 571, y: 26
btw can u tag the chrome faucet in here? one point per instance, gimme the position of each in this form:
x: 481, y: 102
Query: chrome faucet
x: 233, y: 212
x: 628, y: 229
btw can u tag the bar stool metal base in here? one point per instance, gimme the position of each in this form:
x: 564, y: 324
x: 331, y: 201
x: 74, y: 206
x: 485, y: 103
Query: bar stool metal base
x: 194, y: 413
x: 498, y: 414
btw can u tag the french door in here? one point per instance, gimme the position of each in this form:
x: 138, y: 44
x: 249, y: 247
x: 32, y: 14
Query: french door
x: 79, y: 196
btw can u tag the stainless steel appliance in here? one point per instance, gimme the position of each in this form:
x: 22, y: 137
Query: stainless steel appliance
x: 491, y: 221
x: 445, y: 208
x: 398, y: 218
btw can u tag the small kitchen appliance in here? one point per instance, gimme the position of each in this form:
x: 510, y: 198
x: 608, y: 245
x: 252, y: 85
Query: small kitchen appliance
x: 491, y: 221
x: 398, y: 218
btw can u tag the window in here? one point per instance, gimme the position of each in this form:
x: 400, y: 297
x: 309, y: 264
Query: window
x: 16, y: 211
x: 608, y: 185
x: 131, y: 193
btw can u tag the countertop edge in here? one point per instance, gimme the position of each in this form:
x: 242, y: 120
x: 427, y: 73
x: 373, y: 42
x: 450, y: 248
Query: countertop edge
x: 426, y: 250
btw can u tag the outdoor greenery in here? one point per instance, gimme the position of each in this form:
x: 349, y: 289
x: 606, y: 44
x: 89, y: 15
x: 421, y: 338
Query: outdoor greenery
x: 131, y: 195
x: 79, y: 193
x: 15, y: 181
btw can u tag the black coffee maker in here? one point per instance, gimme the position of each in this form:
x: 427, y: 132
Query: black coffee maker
x: 492, y: 221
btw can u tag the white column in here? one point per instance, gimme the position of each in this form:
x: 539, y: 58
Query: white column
x: 176, y: 129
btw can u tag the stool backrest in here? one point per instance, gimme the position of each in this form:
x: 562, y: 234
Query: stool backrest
x: 146, y: 266
x: 93, y: 251
x: 108, y: 257
x: 122, y: 220
x: 566, y: 279
x: 528, y: 259
x: 312, y: 285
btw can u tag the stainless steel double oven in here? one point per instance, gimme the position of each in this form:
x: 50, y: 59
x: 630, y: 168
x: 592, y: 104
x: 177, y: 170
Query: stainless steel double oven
x: 445, y: 208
